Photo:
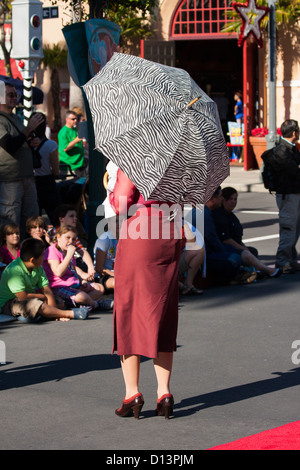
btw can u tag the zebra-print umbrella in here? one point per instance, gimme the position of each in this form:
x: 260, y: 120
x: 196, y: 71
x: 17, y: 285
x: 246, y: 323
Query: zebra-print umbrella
x: 146, y: 122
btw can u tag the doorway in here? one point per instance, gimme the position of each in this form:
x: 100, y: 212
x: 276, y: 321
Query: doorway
x: 217, y: 67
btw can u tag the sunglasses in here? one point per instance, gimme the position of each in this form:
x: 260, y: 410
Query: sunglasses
x: 73, y: 119
x: 12, y: 95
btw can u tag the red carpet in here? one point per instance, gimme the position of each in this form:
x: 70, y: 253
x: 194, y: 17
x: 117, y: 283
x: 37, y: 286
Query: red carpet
x: 285, y: 437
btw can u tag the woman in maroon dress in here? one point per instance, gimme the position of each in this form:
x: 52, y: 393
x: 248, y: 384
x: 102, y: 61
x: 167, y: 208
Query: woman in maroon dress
x: 146, y: 293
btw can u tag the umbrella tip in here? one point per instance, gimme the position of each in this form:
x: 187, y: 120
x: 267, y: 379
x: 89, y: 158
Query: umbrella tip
x: 194, y: 101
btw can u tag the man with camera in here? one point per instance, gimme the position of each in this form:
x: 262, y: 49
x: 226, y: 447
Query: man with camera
x: 18, y: 198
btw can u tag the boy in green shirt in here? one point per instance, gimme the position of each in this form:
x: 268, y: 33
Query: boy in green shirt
x: 25, y: 291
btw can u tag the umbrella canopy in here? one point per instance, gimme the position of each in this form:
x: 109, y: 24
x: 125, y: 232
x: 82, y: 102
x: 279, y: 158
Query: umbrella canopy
x: 37, y: 94
x: 145, y: 122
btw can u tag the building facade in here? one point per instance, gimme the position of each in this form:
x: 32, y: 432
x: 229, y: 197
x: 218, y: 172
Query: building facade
x: 189, y: 34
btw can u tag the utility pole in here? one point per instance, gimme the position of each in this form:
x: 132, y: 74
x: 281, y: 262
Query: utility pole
x: 272, y: 137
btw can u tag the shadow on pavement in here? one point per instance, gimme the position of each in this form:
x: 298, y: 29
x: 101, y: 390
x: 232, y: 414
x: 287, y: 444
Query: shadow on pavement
x: 56, y: 370
x: 282, y: 381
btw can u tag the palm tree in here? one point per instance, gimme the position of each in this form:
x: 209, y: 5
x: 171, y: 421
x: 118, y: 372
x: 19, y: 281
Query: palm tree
x: 55, y: 57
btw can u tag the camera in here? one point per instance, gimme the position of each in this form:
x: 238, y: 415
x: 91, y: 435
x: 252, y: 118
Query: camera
x: 31, y: 136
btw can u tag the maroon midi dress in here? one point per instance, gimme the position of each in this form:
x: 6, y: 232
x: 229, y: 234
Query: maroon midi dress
x: 146, y: 276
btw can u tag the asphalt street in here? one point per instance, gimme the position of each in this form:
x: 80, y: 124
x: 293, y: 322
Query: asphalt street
x: 236, y: 371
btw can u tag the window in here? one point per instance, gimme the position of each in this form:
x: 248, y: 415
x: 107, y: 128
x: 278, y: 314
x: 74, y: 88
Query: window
x: 201, y: 17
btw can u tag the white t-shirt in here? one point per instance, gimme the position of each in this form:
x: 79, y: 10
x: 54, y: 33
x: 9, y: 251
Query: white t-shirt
x: 112, y: 171
x: 45, y: 151
x: 108, y: 244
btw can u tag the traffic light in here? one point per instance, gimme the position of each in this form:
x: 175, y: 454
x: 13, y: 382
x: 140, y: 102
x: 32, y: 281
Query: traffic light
x: 27, y: 40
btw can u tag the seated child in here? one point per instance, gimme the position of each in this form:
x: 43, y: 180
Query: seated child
x: 192, y: 259
x: 104, y: 254
x: 36, y: 228
x: 65, y: 214
x: 25, y: 291
x: 66, y: 279
x: 10, y: 243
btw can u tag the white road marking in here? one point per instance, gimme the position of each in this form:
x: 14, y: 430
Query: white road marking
x: 258, y: 212
x: 266, y: 237
x: 259, y: 239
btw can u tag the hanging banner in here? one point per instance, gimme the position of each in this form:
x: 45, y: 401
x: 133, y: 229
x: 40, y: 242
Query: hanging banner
x: 90, y: 44
x: 103, y: 38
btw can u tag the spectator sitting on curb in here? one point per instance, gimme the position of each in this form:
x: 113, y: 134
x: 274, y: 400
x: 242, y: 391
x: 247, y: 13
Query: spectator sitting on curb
x: 65, y: 214
x: 25, y: 291
x: 105, y: 252
x: 66, y: 279
x: 191, y: 260
x: 227, y: 225
x: 9, y: 243
x: 36, y: 228
x: 223, y: 262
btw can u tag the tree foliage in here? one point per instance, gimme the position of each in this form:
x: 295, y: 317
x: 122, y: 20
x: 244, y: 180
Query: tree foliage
x: 133, y: 16
x: 134, y: 24
x: 99, y: 6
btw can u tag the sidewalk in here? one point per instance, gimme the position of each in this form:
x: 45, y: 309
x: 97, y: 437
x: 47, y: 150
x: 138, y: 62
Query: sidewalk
x: 244, y: 181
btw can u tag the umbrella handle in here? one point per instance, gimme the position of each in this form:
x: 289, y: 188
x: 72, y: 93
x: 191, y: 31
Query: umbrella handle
x: 105, y: 180
x: 194, y: 101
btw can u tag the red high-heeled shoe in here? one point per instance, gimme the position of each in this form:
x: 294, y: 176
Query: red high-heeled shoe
x: 165, y: 405
x: 131, y: 406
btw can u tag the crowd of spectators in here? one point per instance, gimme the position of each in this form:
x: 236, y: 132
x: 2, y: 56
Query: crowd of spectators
x: 60, y: 273
x: 48, y: 272
x: 51, y: 265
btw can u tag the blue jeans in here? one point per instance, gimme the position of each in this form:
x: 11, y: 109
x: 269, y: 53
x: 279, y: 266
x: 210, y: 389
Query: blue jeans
x: 223, y: 265
x: 18, y: 201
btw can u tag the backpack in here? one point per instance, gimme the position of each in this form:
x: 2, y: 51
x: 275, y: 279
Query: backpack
x: 269, y: 175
